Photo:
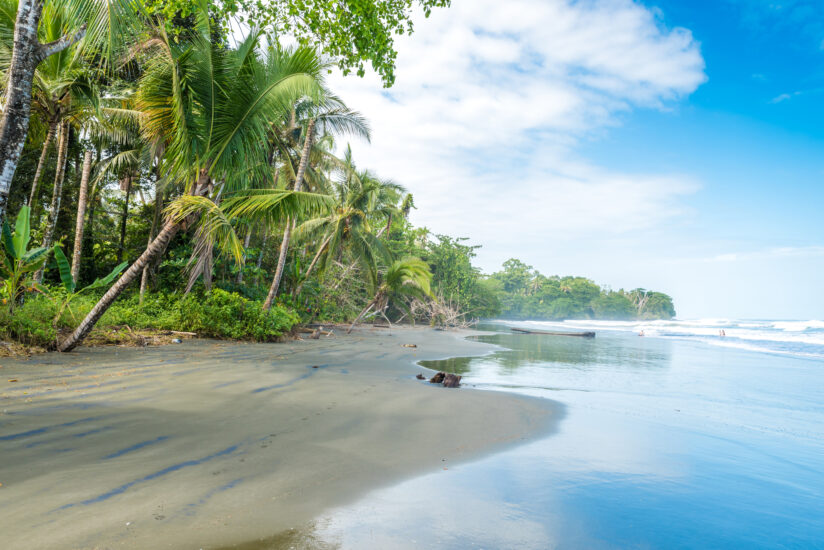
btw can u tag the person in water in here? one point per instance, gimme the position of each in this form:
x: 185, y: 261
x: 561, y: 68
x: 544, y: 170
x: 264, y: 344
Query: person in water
x: 641, y: 333
x: 722, y: 333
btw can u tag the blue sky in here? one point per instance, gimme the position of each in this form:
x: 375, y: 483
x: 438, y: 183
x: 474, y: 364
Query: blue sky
x: 675, y: 145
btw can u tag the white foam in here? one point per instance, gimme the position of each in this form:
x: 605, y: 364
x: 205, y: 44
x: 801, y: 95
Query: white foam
x: 802, y: 338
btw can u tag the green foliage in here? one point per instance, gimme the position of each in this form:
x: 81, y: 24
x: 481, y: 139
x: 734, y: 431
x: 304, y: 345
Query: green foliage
x: 526, y: 294
x: 215, y: 314
x: 63, y: 296
x: 17, y: 262
x: 352, y: 32
x: 31, y: 323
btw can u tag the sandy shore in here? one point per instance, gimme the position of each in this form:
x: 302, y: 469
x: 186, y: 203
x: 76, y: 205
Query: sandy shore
x: 207, y: 444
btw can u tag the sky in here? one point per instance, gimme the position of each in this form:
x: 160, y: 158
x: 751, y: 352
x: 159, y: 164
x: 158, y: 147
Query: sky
x: 674, y: 145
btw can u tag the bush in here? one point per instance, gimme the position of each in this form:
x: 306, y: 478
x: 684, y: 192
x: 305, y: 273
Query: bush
x: 31, y: 323
x: 215, y: 314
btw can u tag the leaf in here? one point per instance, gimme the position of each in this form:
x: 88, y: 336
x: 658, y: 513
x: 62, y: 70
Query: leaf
x: 65, y: 269
x: 22, y: 232
x: 8, y: 241
x: 106, y: 281
x: 34, y: 255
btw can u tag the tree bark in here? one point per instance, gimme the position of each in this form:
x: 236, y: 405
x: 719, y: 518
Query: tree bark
x: 27, y: 54
x: 363, y: 312
x: 312, y: 265
x: 128, y: 188
x: 81, y: 215
x: 284, y: 245
x: 57, y: 193
x: 157, y: 247
x: 260, y: 255
x: 245, y: 246
x: 144, y: 279
x: 42, y: 161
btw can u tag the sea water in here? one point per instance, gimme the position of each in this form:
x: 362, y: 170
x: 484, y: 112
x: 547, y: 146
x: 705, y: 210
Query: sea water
x: 682, y: 438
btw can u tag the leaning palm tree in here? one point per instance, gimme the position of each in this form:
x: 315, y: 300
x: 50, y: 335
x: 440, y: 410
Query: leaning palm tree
x: 409, y: 277
x: 325, y: 116
x: 211, y: 106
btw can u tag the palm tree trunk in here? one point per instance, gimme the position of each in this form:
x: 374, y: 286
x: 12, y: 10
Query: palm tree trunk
x: 144, y: 279
x: 28, y: 52
x: 260, y: 255
x: 42, y: 161
x: 57, y: 193
x: 124, y: 219
x: 245, y: 246
x: 81, y: 214
x: 362, y: 313
x: 284, y: 245
x: 312, y: 265
x: 157, y: 247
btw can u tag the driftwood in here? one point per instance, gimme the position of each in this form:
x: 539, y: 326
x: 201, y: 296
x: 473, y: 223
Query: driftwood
x: 314, y: 332
x: 578, y: 334
x: 449, y: 380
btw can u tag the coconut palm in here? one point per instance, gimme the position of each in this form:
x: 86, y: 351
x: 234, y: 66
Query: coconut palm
x: 211, y: 106
x: 99, y: 27
x: 362, y: 198
x: 327, y: 115
x: 409, y: 277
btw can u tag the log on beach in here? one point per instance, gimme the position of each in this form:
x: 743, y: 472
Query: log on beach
x: 578, y: 334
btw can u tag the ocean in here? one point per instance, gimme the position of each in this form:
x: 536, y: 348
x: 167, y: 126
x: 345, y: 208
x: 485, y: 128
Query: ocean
x: 679, y: 439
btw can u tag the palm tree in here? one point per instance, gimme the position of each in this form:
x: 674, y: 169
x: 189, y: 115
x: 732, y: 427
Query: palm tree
x: 328, y: 116
x: 408, y: 277
x: 101, y: 26
x: 211, y: 106
x: 361, y: 199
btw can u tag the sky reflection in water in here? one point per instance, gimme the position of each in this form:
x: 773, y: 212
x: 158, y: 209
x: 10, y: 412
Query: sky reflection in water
x: 665, y: 444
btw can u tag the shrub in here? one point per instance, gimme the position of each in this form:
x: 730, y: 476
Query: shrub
x: 215, y: 314
x: 31, y: 323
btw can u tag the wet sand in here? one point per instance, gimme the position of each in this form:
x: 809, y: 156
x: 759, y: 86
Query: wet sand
x: 207, y: 444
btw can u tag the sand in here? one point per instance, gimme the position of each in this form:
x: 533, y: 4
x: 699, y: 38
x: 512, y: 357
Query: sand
x: 206, y: 444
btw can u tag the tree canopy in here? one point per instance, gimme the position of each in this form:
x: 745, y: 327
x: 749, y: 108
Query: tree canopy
x: 352, y: 32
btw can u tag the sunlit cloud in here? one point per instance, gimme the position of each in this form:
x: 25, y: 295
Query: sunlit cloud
x: 492, y: 100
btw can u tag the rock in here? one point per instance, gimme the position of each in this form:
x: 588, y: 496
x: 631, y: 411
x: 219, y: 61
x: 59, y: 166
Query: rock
x: 438, y: 378
x: 452, y: 381
x: 420, y: 377
x: 177, y: 341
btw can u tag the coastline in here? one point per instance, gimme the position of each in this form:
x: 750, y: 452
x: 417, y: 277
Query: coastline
x: 209, y: 443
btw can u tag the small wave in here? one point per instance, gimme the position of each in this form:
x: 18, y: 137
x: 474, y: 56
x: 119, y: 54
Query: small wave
x: 800, y: 338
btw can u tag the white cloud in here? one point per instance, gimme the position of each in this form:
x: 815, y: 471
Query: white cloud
x: 491, y: 99
x: 768, y: 254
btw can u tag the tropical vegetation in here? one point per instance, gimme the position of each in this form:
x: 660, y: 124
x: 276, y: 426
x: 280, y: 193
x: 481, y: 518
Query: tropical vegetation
x: 152, y: 142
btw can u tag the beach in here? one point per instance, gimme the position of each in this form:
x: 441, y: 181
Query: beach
x: 207, y: 443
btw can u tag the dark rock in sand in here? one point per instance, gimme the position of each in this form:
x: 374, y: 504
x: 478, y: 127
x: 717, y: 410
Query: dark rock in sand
x: 420, y: 377
x: 438, y: 378
x: 452, y: 381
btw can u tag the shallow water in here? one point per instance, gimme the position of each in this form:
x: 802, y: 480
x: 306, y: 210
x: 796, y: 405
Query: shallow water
x: 668, y: 441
